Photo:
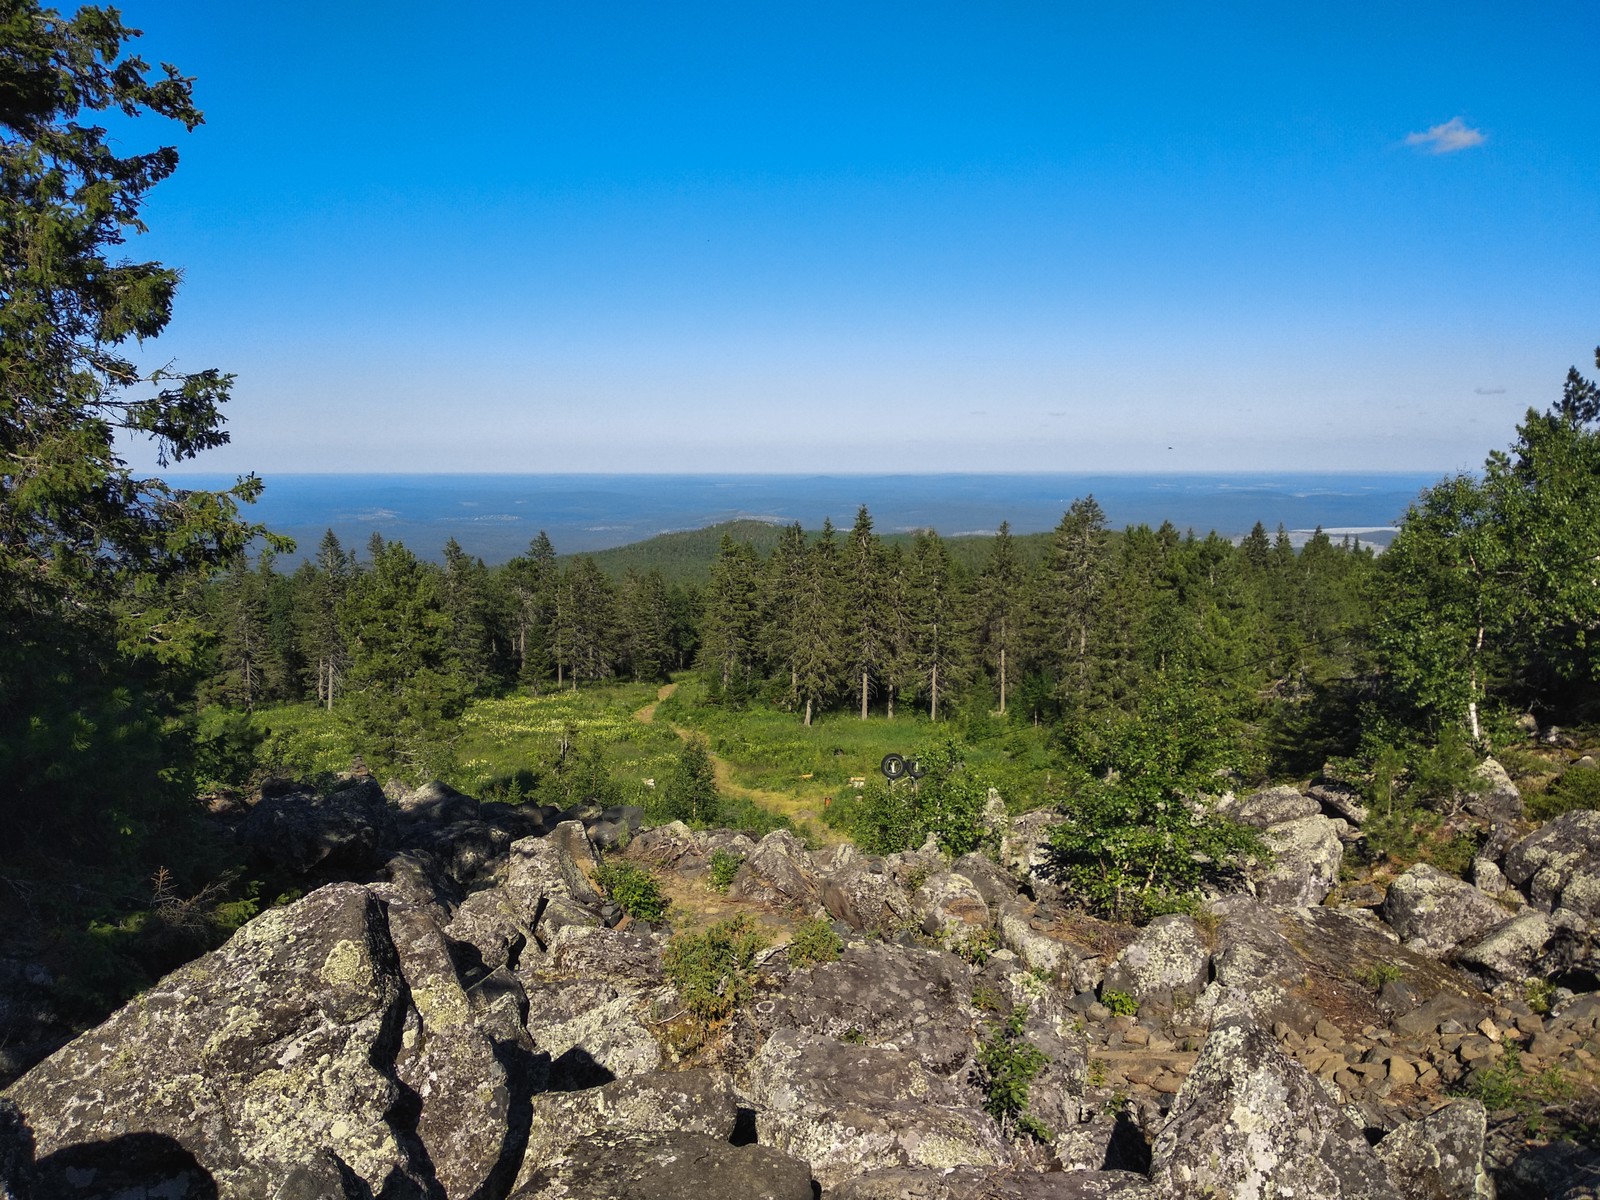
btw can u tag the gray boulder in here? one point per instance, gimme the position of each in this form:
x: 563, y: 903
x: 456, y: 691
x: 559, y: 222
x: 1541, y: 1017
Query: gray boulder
x: 846, y: 1109
x: 987, y: 1183
x: 778, y: 873
x: 464, y: 1091
x: 994, y: 884
x: 1441, y: 1156
x: 662, y: 1102
x: 1268, y: 807
x: 1025, y: 849
x: 438, y: 802
x: 668, y: 1166
x: 1434, y: 913
x: 1339, y: 799
x: 861, y: 892
x: 1249, y: 1122
x: 1559, y: 864
x: 351, y: 829
x: 495, y: 924
x: 1510, y: 952
x: 1491, y: 794
x: 916, y: 1001
x: 1169, y: 958
x: 255, y: 1059
x: 549, y: 881
x: 1307, y: 854
x: 951, y: 909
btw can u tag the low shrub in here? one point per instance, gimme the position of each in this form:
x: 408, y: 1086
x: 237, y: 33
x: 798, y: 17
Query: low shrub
x: 725, y: 865
x: 714, y: 971
x: 814, y: 942
x: 634, y: 890
x: 1008, y: 1064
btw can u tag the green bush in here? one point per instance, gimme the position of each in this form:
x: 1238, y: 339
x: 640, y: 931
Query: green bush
x: 814, y: 942
x: 1137, y: 840
x: 725, y: 865
x: 1578, y: 788
x: 947, y: 802
x: 1120, y: 1003
x: 714, y: 971
x: 1008, y: 1064
x: 634, y: 890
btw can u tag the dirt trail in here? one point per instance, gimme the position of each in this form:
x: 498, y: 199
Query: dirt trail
x: 647, y: 714
x: 795, y: 808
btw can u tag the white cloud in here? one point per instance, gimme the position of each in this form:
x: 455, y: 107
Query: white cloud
x: 1455, y: 134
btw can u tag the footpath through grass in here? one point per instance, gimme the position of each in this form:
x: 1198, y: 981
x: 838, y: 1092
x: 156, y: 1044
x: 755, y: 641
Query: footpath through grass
x: 773, y: 757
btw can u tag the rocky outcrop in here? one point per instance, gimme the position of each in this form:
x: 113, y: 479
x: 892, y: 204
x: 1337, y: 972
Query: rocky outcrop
x: 981, y: 1183
x: 1559, y: 865
x: 1441, y: 1156
x: 1307, y: 853
x: 1492, y: 795
x: 1168, y: 959
x: 351, y: 829
x: 1434, y: 913
x: 256, y: 1060
x: 950, y: 909
x: 668, y: 1166
x: 778, y: 873
x: 847, y: 1109
x: 1251, y: 1123
x: 1268, y: 807
x: 916, y: 1001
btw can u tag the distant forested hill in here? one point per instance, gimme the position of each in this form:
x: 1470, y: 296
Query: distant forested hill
x: 686, y: 557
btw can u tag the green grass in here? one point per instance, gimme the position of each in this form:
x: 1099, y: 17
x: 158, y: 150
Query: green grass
x: 773, y: 751
x: 506, y: 741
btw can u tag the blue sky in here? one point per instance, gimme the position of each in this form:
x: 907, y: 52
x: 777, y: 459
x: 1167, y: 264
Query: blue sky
x: 849, y: 237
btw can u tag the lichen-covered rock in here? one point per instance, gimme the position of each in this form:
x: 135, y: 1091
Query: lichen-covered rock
x: 463, y: 1089
x: 1268, y: 807
x: 1255, y: 969
x: 471, y: 851
x: 846, y: 1109
x: 1559, y: 864
x: 988, y: 1183
x: 779, y: 873
x: 661, y: 1102
x: 1491, y: 794
x: 1510, y: 952
x: 950, y: 908
x: 1307, y: 854
x: 550, y: 881
x: 1441, y: 1156
x: 1249, y: 1123
x: 439, y: 803
x: 994, y: 884
x: 627, y: 958
x: 1169, y: 958
x: 861, y: 892
x: 591, y: 1032
x: 494, y: 924
x: 668, y: 1166
x: 1025, y: 849
x: 1340, y: 799
x: 1434, y: 913
x: 351, y: 829
x: 1035, y: 934
x: 918, y: 1001
x: 260, y: 1056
